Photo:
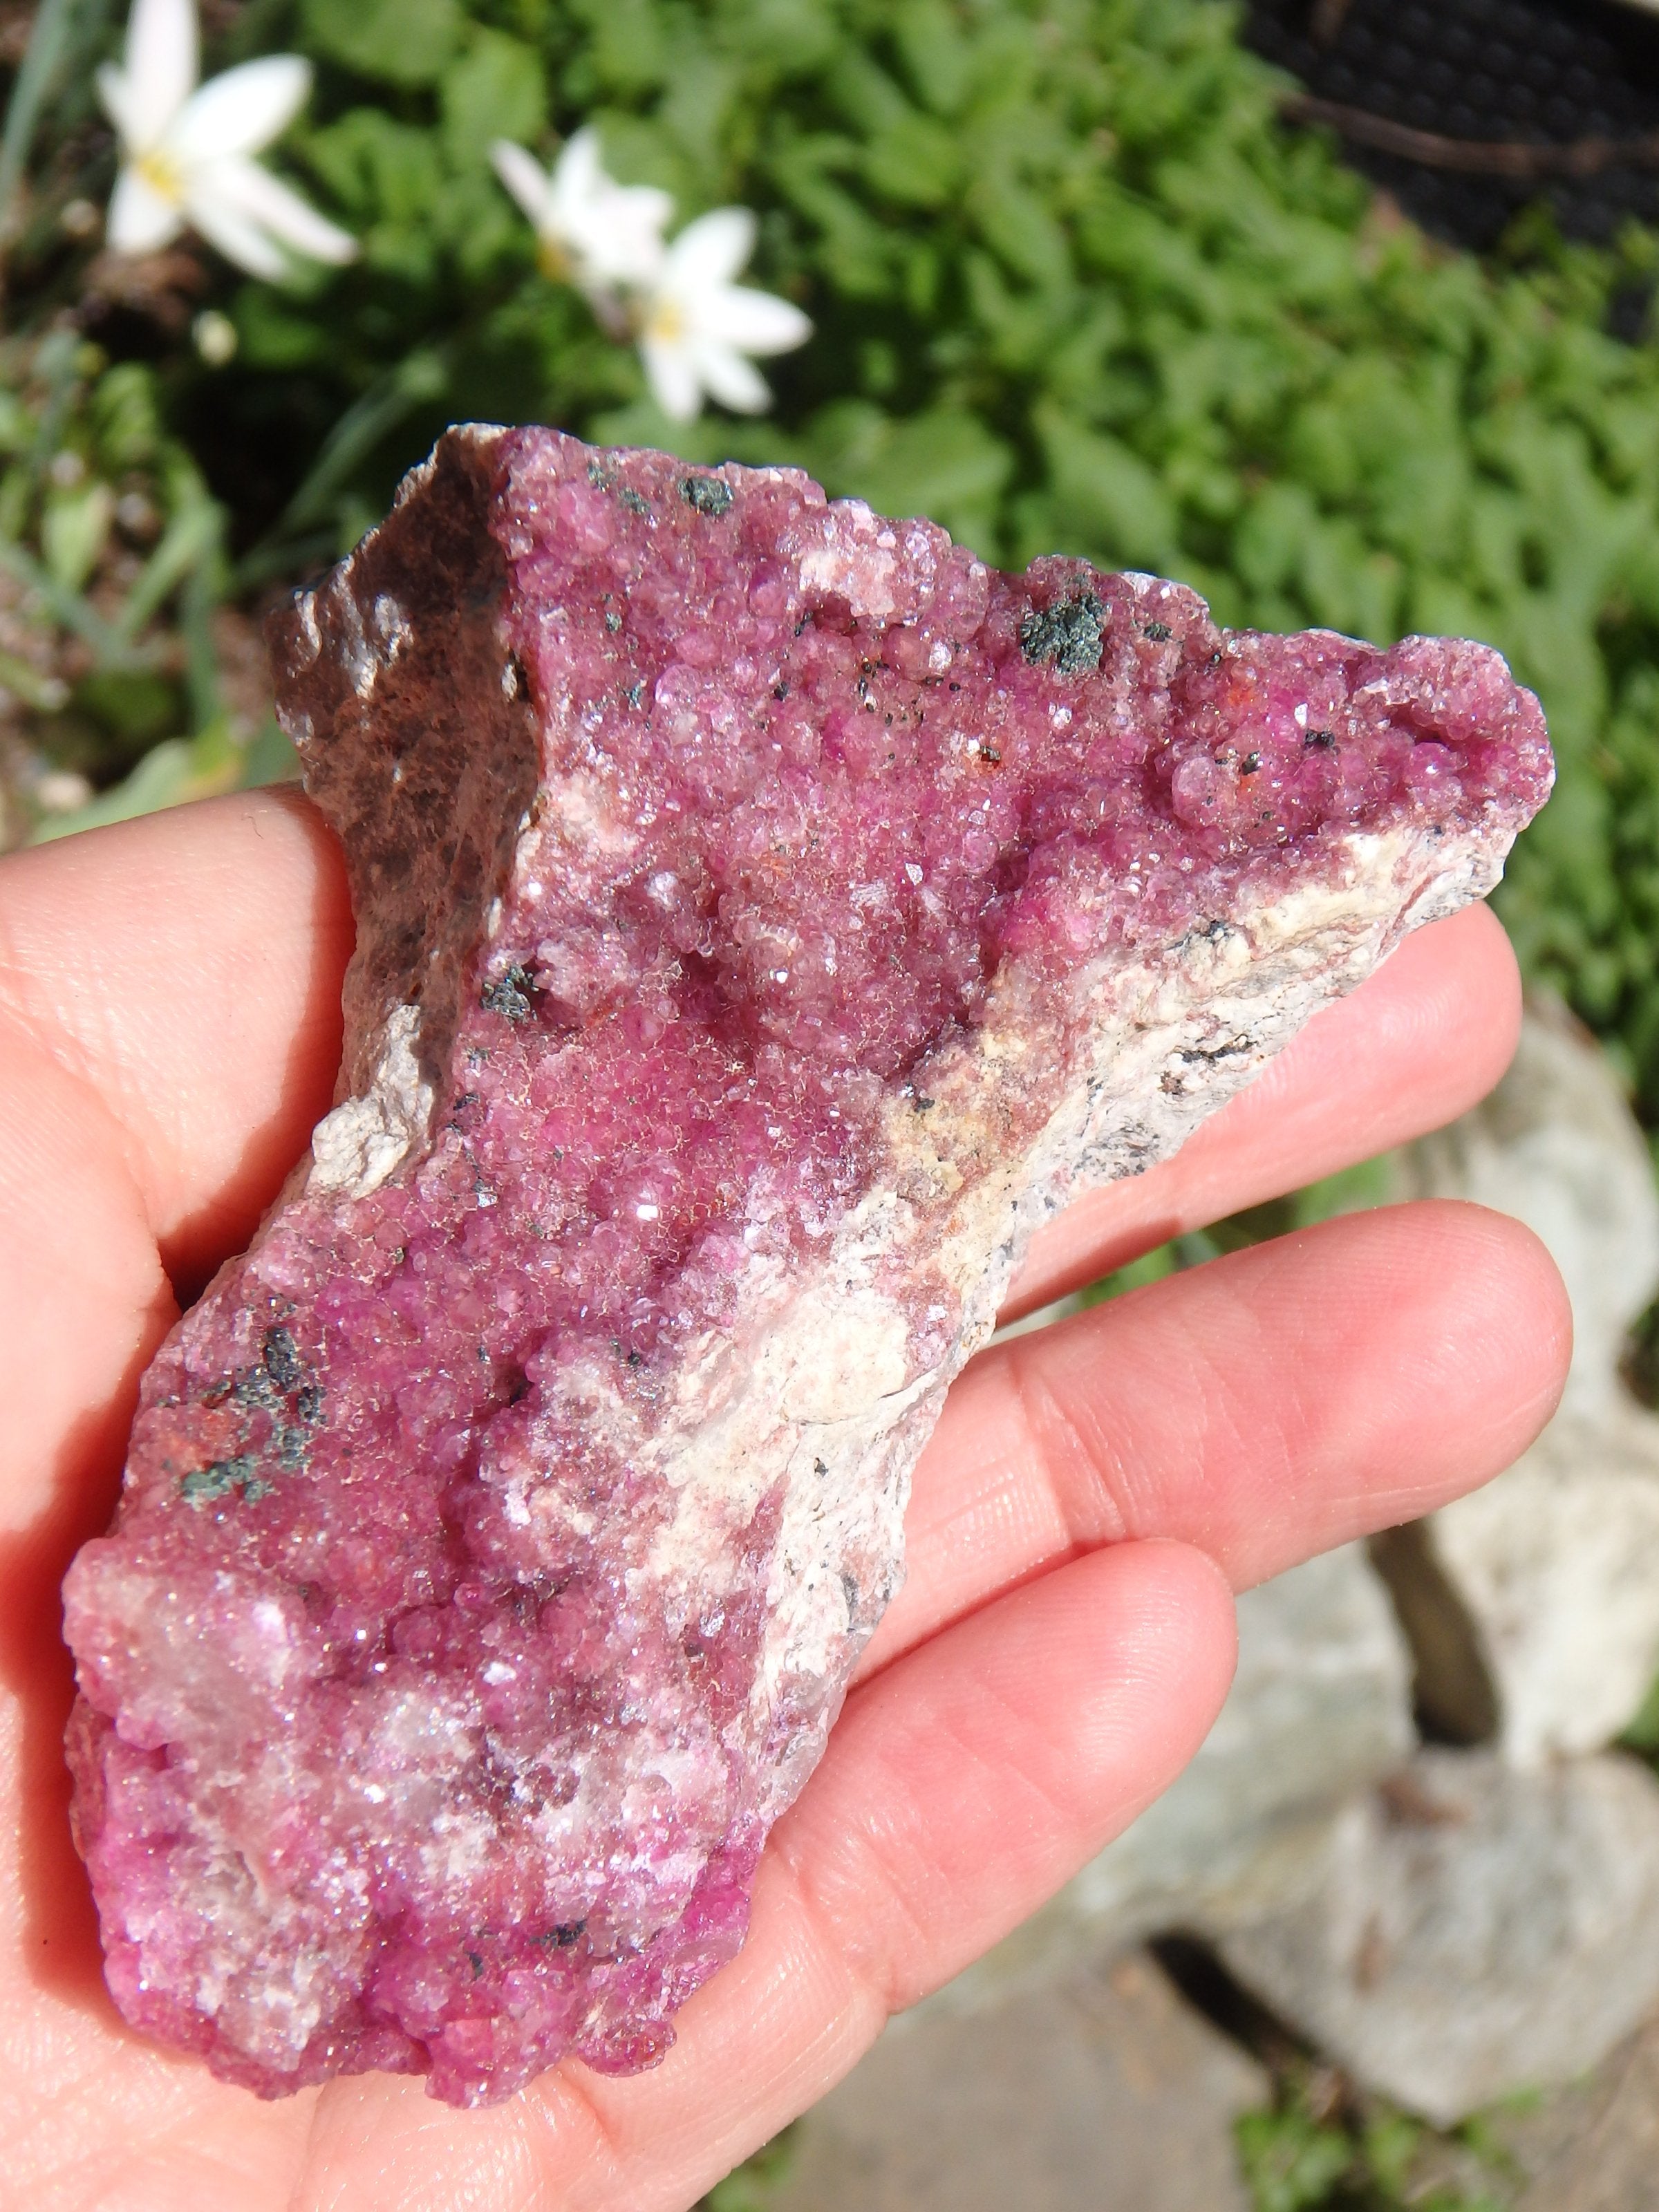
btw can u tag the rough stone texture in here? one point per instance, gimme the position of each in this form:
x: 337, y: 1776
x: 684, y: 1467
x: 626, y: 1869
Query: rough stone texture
x: 1107, y: 2094
x: 1455, y: 1697
x: 1477, y: 1930
x: 1558, y: 1563
x: 1553, y: 1569
x: 767, y: 915
x: 1556, y: 1145
x: 1612, y: 2165
x: 1320, y: 1707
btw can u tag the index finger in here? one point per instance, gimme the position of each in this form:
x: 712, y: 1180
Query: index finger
x: 184, y: 972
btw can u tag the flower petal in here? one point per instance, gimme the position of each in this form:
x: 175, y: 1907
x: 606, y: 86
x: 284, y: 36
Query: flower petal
x: 141, y: 220
x: 242, y: 111
x: 619, y: 238
x: 251, y: 191
x: 754, y: 322
x: 238, y: 237
x: 673, y: 380
x: 163, y: 64
x: 117, y: 95
x: 578, y: 172
x: 711, y: 250
x: 731, y: 379
x: 615, y: 231
x: 523, y: 176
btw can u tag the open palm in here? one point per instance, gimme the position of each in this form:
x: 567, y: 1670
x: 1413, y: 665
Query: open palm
x: 169, y: 1030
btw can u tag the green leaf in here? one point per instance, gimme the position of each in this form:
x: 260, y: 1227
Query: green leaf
x: 73, y: 532
x: 702, y: 94
x: 170, y: 774
x: 1110, y: 501
x: 937, y: 57
x: 17, y: 424
x: 1290, y: 2163
x: 405, y: 42
x: 272, y: 335
x: 1017, y: 224
x: 125, y: 422
x: 385, y: 174
x: 1269, y: 541
x: 496, y: 90
x: 193, y: 533
x: 629, y: 44
x: 1351, y: 1190
x: 795, y: 37
x: 943, y: 464
x: 914, y: 160
x: 138, y: 707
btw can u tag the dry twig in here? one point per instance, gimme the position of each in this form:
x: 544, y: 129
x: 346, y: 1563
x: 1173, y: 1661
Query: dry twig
x: 1487, y: 157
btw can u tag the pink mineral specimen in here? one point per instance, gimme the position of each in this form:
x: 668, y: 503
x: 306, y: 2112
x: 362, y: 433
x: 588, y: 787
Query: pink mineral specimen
x: 767, y: 915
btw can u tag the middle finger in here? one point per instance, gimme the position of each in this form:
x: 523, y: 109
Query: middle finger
x: 1264, y: 1408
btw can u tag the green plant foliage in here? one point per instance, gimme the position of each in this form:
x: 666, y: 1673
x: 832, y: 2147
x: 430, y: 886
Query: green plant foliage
x: 1291, y: 2163
x: 1295, y: 2158
x: 403, y: 42
x: 1074, y: 288
x: 111, y: 569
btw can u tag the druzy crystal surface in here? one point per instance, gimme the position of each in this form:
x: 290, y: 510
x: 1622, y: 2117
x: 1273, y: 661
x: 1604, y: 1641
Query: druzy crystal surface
x: 767, y: 915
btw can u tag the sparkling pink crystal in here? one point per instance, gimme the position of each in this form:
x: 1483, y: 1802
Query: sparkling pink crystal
x: 760, y: 876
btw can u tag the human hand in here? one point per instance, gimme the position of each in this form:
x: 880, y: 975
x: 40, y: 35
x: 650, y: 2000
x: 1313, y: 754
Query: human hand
x: 169, y: 1032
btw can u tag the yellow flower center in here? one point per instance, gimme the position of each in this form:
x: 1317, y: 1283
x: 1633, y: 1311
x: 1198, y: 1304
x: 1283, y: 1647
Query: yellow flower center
x: 553, y: 261
x: 162, y: 174
x: 666, y: 322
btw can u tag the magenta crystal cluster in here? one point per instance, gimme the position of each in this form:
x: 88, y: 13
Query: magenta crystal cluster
x: 767, y: 913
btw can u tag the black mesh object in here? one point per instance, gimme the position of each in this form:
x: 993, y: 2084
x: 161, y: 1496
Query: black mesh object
x: 1544, y: 72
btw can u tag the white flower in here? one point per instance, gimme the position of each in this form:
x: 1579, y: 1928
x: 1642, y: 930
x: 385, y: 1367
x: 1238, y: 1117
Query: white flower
x: 696, y: 326
x: 186, y: 149
x: 594, y: 232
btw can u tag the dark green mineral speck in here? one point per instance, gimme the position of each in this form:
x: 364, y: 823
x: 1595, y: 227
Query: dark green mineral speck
x: 280, y: 1359
x: 205, y: 1484
x: 708, y: 495
x: 1070, y: 634
x: 509, y: 995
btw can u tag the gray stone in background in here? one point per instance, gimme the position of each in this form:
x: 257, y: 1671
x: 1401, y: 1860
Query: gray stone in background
x: 1102, y: 2094
x: 1320, y: 1707
x: 1477, y: 1930
x: 1556, y: 1564
x: 1612, y: 2165
x: 1557, y: 1561
x: 1557, y: 1147
x: 1456, y: 1699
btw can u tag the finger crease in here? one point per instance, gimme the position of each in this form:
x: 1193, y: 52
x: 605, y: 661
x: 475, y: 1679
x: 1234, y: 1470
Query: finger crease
x: 1085, y: 1476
